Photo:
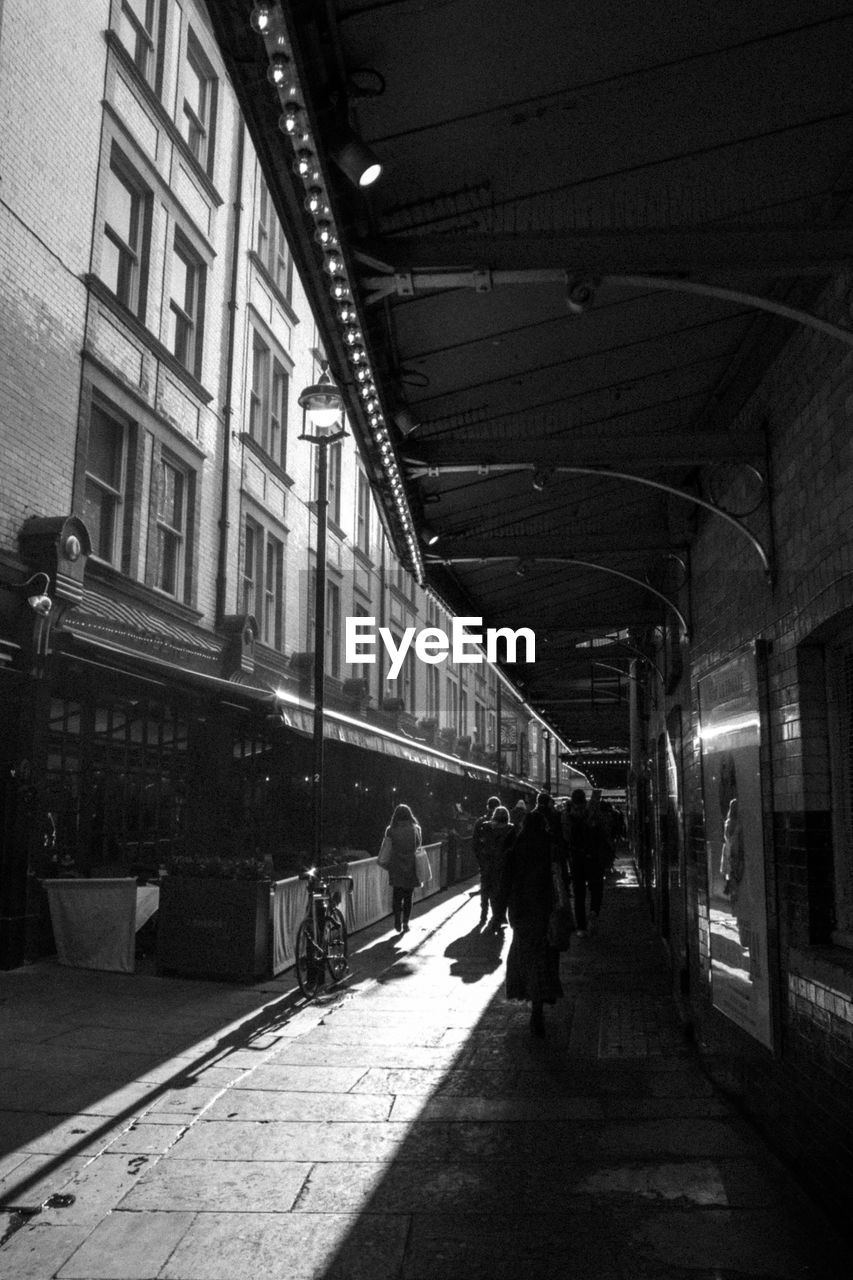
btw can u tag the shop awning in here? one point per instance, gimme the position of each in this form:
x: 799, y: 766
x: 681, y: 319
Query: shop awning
x: 140, y: 632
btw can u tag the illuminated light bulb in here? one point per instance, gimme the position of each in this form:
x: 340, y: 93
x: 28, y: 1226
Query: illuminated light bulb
x: 340, y: 287
x: 362, y: 372
x: 292, y: 120
x: 335, y: 264
x: 263, y: 18
x: 357, y: 355
x: 352, y: 335
x: 325, y: 233
x: 305, y: 163
x: 280, y: 68
x: 347, y: 313
x: 314, y: 199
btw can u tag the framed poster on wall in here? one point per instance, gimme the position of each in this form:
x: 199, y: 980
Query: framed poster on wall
x: 730, y: 735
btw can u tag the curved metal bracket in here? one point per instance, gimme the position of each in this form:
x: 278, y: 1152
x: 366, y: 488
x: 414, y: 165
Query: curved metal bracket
x: 408, y: 283
x: 418, y: 469
x: 736, y: 295
x: 585, y: 564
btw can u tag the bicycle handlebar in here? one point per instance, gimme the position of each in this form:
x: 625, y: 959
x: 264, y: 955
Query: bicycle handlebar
x: 317, y: 877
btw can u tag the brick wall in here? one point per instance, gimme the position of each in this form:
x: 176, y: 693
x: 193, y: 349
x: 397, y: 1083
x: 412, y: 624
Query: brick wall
x: 801, y: 1092
x: 49, y: 167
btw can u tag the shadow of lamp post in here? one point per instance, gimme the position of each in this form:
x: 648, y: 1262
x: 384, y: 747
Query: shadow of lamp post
x: 322, y: 425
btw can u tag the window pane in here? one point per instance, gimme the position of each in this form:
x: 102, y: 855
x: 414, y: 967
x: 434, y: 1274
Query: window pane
x: 111, y: 267
x: 135, y: 30
x: 167, y: 559
x: 196, y: 87
x: 249, y: 554
x: 181, y: 281
x: 99, y: 512
x: 120, y: 209
x: 105, y: 449
x: 170, y: 498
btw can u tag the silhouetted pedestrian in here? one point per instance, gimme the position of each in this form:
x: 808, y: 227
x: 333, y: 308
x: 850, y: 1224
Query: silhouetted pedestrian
x: 533, y: 966
x: 587, y: 848
x: 478, y: 844
x: 405, y: 835
x: 498, y: 836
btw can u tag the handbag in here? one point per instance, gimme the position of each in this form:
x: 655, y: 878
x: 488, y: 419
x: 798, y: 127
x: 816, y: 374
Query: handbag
x: 384, y: 855
x: 422, y: 866
x: 561, y: 922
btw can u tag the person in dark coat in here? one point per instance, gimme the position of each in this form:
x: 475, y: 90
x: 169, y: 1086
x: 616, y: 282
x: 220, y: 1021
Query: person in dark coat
x: 497, y: 837
x: 532, y: 967
x: 588, y: 853
x: 479, y: 837
x: 405, y: 835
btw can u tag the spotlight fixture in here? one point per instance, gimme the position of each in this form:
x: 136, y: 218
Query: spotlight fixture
x: 429, y: 535
x: 580, y: 293
x: 522, y: 569
x: 353, y: 157
x: 540, y: 479
x: 406, y: 421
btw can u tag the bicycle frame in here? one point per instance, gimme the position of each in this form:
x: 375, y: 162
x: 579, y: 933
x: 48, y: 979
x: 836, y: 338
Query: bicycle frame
x: 321, y: 939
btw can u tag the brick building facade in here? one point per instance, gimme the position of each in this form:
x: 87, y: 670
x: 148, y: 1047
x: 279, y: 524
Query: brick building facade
x: 154, y: 338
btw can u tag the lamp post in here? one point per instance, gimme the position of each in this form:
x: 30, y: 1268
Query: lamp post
x: 322, y: 406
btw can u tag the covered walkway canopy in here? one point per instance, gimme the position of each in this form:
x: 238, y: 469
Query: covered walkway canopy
x: 593, y: 230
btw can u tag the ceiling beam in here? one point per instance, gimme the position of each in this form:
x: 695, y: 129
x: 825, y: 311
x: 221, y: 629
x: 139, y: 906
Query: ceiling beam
x: 754, y: 250
x: 567, y: 544
x: 685, y: 449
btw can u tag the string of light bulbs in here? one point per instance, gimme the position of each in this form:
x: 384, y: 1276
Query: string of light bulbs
x: 267, y: 20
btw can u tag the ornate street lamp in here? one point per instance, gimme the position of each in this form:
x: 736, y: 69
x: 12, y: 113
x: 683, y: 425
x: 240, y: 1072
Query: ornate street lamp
x: 322, y: 425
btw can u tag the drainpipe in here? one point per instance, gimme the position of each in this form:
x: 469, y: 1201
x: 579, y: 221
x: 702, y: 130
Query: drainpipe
x: 227, y: 411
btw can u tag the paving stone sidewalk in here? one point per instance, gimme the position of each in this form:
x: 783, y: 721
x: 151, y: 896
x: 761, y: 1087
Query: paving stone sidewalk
x: 407, y: 1126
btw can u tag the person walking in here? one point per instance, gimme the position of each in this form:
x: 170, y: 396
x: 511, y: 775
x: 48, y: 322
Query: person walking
x: 534, y: 858
x: 518, y: 813
x: 498, y: 836
x: 404, y: 833
x: 478, y: 844
x: 587, y: 848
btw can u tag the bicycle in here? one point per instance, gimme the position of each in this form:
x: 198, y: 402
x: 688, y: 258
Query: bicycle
x: 321, y: 939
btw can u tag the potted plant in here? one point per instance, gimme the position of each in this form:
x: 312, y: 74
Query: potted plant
x: 428, y: 727
x: 463, y: 745
x: 447, y: 737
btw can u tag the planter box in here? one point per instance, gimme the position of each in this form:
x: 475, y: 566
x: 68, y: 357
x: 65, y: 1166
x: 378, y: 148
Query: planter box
x: 214, y: 928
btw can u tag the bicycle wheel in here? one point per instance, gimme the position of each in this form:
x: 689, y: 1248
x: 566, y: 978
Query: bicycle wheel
x: 335, y: 938
x: 309, y: 960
